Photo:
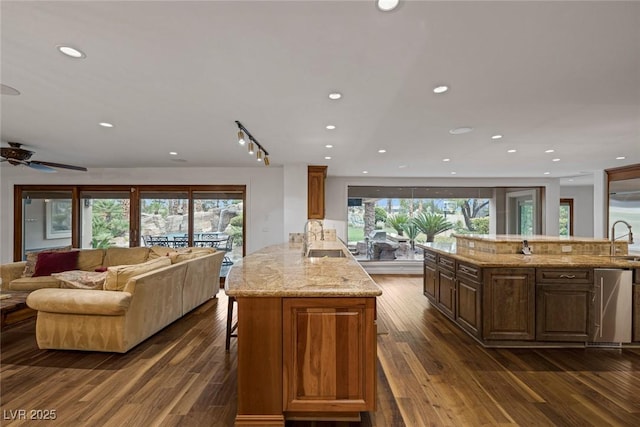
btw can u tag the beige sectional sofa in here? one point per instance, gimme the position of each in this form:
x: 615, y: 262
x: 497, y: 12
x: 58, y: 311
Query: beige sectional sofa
x: 145, y: 289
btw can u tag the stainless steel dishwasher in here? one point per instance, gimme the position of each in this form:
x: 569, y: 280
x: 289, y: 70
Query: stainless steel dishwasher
x: 612, y: 305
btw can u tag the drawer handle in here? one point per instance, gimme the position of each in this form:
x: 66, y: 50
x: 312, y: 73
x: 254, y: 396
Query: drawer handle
x: 567, y: 276
x: 466, y: 270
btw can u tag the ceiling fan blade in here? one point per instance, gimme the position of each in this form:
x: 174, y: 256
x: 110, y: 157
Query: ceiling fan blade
x: 41, y: 168
x: 59, y: 165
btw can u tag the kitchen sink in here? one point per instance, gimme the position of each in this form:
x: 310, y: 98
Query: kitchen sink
x: 328, y: 253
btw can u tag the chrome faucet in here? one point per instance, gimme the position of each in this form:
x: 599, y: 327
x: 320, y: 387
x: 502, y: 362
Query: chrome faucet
x: 614, y: 238
x: 305, y: 239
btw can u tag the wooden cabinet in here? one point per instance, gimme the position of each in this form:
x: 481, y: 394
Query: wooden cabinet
x: 430, y: 277
x: 446, y: 286
x: 563, y: 304
x: 563, y: 312
x: 508, y: 304
x: 315, y: 191
x: 329, y: 355
x: 468, y: 298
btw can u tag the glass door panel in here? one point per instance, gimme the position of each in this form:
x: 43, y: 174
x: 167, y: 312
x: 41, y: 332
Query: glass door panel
x: 104, y: 219
x: 218, y: 222
x: 164, y: 218
x: 46, y: 220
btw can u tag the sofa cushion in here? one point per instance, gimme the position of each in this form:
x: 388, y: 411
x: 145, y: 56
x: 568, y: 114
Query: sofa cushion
x: 90, y: 259
x: 125, y: 256
x: 78, y: 279
x: 117, y: 276
x: 160, y: 251
x: 55, y: 262
x: 33, y: 283
x: 32, y: 258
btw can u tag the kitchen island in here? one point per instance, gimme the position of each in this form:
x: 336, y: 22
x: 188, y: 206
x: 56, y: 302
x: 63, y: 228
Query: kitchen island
x: 507, y: 299
x: 306, y: 334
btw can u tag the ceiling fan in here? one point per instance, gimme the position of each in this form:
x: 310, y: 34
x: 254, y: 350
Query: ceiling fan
x: 16, y: 155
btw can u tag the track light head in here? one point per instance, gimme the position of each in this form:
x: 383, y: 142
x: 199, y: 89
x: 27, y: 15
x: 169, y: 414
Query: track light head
x: 262, y: 153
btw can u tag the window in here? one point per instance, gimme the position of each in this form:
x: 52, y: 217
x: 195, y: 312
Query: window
x: 566, y: 217
x: 48, y: 220
x: 123, y: 216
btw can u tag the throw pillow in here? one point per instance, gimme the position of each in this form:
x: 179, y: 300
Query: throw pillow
x: 79, y: 279
x: 32, y: 258
x: 55, y: 262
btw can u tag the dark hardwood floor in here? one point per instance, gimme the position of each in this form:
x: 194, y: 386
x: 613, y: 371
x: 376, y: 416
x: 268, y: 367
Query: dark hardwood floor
x: 429, y: 374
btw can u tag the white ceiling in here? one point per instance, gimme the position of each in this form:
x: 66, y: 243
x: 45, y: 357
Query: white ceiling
x: 174, y: 76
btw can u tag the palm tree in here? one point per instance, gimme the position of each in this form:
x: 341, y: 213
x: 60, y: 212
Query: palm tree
x: 412, y: 232
x: 431, y: 224
x: 397, y: 222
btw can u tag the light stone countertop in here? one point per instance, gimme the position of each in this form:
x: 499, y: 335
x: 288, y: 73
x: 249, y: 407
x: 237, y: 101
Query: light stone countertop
x: 484, y: 259
x: 533, y: 238
x: 282, y: 271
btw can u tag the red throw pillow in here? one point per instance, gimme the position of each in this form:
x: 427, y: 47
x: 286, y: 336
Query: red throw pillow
x: 101, y: 269
x: 55, y: 262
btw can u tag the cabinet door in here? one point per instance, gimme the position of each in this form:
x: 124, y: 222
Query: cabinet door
x: 329, y: 354
x: 468, y: 307
x: 563, y: 312
x: 446, y: 293
x: 315, y: 191
x: 508, y: 304
x: 430, y: 281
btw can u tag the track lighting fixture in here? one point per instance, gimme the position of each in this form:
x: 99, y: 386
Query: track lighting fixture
x: 261, y: 154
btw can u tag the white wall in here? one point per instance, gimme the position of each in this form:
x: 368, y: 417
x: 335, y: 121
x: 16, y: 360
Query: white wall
x: 265, y: 194
x: 295, y: 199
x: 583, y: 219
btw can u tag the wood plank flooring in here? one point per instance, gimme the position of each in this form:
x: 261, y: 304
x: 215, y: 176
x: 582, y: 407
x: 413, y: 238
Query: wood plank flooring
x: 429, y: 374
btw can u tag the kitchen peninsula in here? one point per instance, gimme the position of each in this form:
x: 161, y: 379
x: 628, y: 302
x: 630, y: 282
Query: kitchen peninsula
x: 504, y: 298
x: 306, y: 334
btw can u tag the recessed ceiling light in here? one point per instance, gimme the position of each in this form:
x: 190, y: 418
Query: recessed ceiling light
x: 453, y: 173
x: 330, y: 127
x: 555, y: 160
x: 620, y: 158
x: 387, y: 5
x: 335, y: 95
x: 382, y: 151
x: 549, y: 151
x: 547, y: 173
x: 402, y: 166
x: 440, y: 89
x: 106, y: 124
x: 71, y: 52
x: 327, y: 157
x: 329, y: 146
x: 497, y: 136
x: 365, y: 171
x: 8, y: 90
x: 570, y: 179
x: 446, y: 160
x: 460, y: 131
x: 511, y: 151
x: 173, y: 153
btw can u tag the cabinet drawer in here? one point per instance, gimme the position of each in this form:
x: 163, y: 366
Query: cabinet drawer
x: 430, y: 257
x: 469, y: 271
x: 564, y: 275
x: 446, y: 263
